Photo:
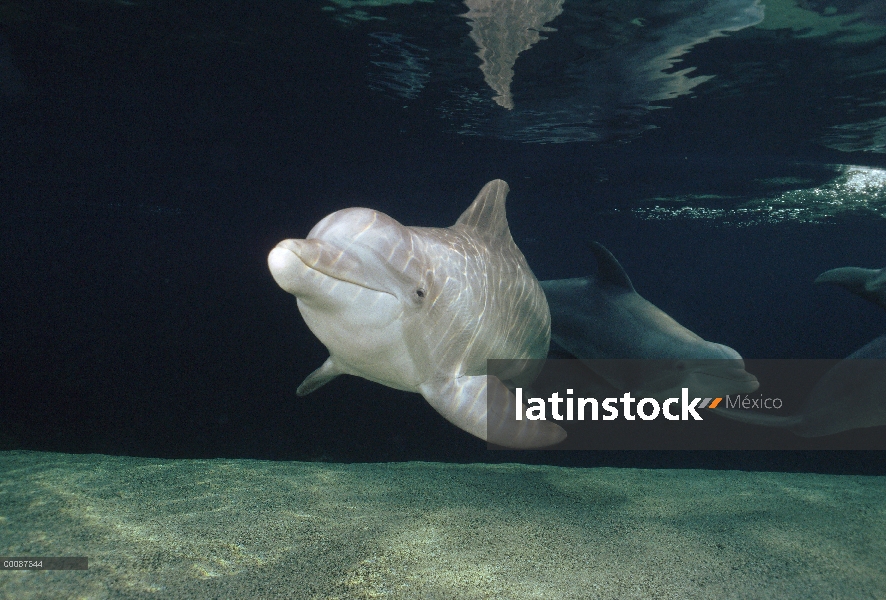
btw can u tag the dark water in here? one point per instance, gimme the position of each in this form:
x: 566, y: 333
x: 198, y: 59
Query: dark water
x: 152, y: 153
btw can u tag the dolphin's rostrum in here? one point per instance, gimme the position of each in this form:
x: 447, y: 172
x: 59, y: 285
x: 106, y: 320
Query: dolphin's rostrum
x: 422, y: 309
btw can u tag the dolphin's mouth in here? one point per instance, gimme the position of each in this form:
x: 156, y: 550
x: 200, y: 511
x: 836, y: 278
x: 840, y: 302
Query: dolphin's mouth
x: 747, y: 382
x: 728, y: 374
x: 330, y: 261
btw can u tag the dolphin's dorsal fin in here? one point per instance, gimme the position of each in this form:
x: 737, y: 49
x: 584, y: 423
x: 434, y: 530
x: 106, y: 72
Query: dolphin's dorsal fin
x: 609, y: 270
x: 486, y: 215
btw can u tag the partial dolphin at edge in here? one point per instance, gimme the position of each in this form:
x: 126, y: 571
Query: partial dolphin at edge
x: 851, y: 395
x: 870, y: 284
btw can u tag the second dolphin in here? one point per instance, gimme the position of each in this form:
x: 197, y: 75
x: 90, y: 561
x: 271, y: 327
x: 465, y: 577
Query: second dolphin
x: 601, y: 319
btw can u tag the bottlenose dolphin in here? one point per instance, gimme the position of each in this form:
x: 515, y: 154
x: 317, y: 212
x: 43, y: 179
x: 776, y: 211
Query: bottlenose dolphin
x: 421, y: 309
x: 602, y: 318
x: 851, y: 395
x: 870, y: 284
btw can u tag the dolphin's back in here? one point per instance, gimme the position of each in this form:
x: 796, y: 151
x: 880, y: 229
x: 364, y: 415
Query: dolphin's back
x: 603, y: 316
x: 590, y: 323
x: 490, y: 303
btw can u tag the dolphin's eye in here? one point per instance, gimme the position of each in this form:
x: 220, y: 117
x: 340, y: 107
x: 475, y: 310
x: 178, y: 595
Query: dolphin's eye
x: 420, y: 293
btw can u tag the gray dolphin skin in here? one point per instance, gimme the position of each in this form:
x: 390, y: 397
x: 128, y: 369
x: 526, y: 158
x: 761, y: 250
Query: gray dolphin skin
x: 602, y: 317
x: 870, y: 284
x: 421, y: 309
x: 851, y: 395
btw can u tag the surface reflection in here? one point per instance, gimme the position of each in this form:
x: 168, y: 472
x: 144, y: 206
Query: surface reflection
x: 502, y: 29
x: 857, y: 190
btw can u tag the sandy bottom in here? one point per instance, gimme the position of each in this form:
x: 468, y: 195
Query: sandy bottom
x: 253, y: 529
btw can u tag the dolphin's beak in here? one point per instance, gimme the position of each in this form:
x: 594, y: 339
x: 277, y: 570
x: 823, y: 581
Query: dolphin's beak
x: 732, y: 376
x: 293, y: 261
x: 309, y: 252
x: 744, y: 381
x: 286, y: 266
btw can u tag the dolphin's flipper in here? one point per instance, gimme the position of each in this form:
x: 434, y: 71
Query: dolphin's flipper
x: 326, y: 373
x: 483, y: 406
x: 870, y: 284
x: 609, y: 270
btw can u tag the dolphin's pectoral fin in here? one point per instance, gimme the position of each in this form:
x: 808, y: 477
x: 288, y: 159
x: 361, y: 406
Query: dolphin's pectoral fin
x: 483, y: 406
x: 326, y: 373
